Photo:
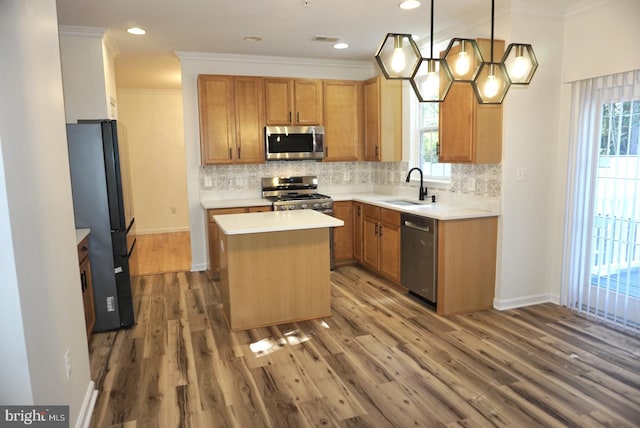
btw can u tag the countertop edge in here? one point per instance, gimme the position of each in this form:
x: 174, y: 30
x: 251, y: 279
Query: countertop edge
x: 81, y: 234
x: 438, y: 210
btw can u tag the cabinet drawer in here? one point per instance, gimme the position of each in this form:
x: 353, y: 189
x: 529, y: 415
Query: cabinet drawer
x: 371, y: 211
x: 83, y: 249
x: 219, y: 211
x: 390, y: 216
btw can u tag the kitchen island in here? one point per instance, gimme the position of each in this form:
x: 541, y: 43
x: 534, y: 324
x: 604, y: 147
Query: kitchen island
x: 274, y: 267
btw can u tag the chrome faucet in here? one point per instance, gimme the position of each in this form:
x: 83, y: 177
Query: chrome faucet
x: 423, y: 191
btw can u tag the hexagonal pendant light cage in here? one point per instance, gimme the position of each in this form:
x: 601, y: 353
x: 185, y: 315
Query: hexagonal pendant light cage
x: 431, y: 80
x: 492, y: 83
x: 398, y: 56
x: 521, y: 63
x: 464, y: 58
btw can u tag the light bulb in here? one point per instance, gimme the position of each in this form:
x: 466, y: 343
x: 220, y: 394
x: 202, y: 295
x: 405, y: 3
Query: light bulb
x: 520, y: 67
x: 398, y: 61
x: 491, y: 86
x: 431, y: 86
x: 462, y: 64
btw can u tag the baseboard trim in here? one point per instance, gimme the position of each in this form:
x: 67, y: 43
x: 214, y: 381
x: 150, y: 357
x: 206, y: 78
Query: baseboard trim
x: 519, y: 302
x: 84, y: 417
x: 162, y: 230
x: 197, y: 267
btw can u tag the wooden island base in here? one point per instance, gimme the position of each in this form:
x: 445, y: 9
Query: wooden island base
x: 275, y: 277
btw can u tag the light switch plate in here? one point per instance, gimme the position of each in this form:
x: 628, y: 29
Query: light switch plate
x: 522, y: 173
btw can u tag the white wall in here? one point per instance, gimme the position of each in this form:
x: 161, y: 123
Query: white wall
x: 153, y: 121
x: 40, y: 297
x: 193, y: 64
x: 84, y: 74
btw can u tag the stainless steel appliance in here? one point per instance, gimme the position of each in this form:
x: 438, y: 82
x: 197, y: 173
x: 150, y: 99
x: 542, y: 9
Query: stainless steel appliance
x: 419, y: 250
x: 101, y: 201
x: 298, y: 193
x: 294, y: 142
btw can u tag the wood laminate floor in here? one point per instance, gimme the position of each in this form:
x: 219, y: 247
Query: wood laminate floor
x: 381, y: 360
x: 163, y: 253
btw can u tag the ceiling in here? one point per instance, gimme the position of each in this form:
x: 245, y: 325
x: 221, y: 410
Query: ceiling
x: 286, y: 27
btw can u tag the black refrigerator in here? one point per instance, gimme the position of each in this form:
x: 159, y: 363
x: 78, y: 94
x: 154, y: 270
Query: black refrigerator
x: 101, y: 188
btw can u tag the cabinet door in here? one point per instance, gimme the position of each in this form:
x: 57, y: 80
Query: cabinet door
x: 371, y: 237
x: 372, y: 120
x: 307, y: 102
x: 213, y: 237
x: 249, y: 104
x: 278, y: 99
x: 217, y: 119
x: 87, y: 295
x: 390, y: 244
x: 343, y: 236
x: 457, y: 124
x: 358, y: 220
x: 342, y: 124
x: 471, y: 132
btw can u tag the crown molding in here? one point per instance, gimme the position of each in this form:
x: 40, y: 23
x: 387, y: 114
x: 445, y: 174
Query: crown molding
x: 77, y: 31
x: 277, y: 60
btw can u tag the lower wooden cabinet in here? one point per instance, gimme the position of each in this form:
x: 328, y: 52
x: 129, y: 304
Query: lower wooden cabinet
x: 87, y: 286
x: 381, y: 241
x: 358, y: 218
x: 343, y: 236
x: 213, y: 233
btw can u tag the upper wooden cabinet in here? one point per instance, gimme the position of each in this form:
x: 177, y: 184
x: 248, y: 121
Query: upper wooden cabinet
x: 231, y: 119
x: 382, y: 119
x: 342, y: 120
x: 295, y: 102
x: 471, y: 132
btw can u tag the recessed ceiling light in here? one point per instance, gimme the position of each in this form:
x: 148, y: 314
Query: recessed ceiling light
x: 341, y: 45
x: 136, y: 31
x: 409, y: 4
x: 252, y: 39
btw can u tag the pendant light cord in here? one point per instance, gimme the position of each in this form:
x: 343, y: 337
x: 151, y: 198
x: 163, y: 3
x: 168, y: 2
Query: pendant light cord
x: 431, y: 29
x: 493, y: 5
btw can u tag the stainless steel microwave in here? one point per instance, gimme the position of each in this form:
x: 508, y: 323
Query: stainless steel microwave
x: 294, y: 142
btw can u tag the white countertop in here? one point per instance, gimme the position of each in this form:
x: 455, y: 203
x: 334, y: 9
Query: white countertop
x: 81, y: 234
x: 437, y: 210
x: 274, y: 221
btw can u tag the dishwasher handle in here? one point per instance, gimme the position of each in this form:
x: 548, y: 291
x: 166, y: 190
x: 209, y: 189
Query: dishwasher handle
x: 412, y: 225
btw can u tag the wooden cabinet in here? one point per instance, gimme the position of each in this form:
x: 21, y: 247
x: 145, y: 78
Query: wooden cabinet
x: 343, y: 236
x: 342, y: 120
x: 231, y: 119
x: 358, y: 225
x: 471, y: 132
x: 466, y: 264
x: 87, y: 286
x: 382, y: 119
x: 296, y: 102
x: 381, y: 241
x: 213, y: 233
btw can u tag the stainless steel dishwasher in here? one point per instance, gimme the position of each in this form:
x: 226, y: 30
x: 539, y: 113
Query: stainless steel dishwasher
x: 419, y: 256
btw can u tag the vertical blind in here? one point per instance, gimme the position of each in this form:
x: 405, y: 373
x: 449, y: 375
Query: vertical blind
x: 601, y: 261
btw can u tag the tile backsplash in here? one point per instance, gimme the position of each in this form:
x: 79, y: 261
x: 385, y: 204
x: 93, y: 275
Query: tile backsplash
x: 477, y: 181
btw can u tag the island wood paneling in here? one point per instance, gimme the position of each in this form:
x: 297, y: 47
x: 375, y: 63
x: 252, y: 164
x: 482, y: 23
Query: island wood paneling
x: 381, y: 360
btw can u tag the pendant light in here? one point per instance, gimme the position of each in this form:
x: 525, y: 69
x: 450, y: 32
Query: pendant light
x: 492, y: 81
x: 431, y: 79
x: 521, y: 63
x: 463, y: 58
x: 398, y: 56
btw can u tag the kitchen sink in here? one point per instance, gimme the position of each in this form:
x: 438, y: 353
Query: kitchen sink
x: 402, y: 202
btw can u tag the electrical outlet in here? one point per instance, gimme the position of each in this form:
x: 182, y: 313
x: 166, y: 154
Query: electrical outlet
x: 208, y: 181
x: 111, y: 304
x: 67, y: 363
x: 472, y: 184
x: 522, y: 173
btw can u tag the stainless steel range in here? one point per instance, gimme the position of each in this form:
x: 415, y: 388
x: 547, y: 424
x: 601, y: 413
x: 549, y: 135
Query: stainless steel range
x: 296, y: 193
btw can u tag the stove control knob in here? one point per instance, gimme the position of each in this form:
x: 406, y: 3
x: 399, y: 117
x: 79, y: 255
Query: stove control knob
x: 291, y: 207
x: 304, y: 206
x: 316, y: 205
x: 325, y: 205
